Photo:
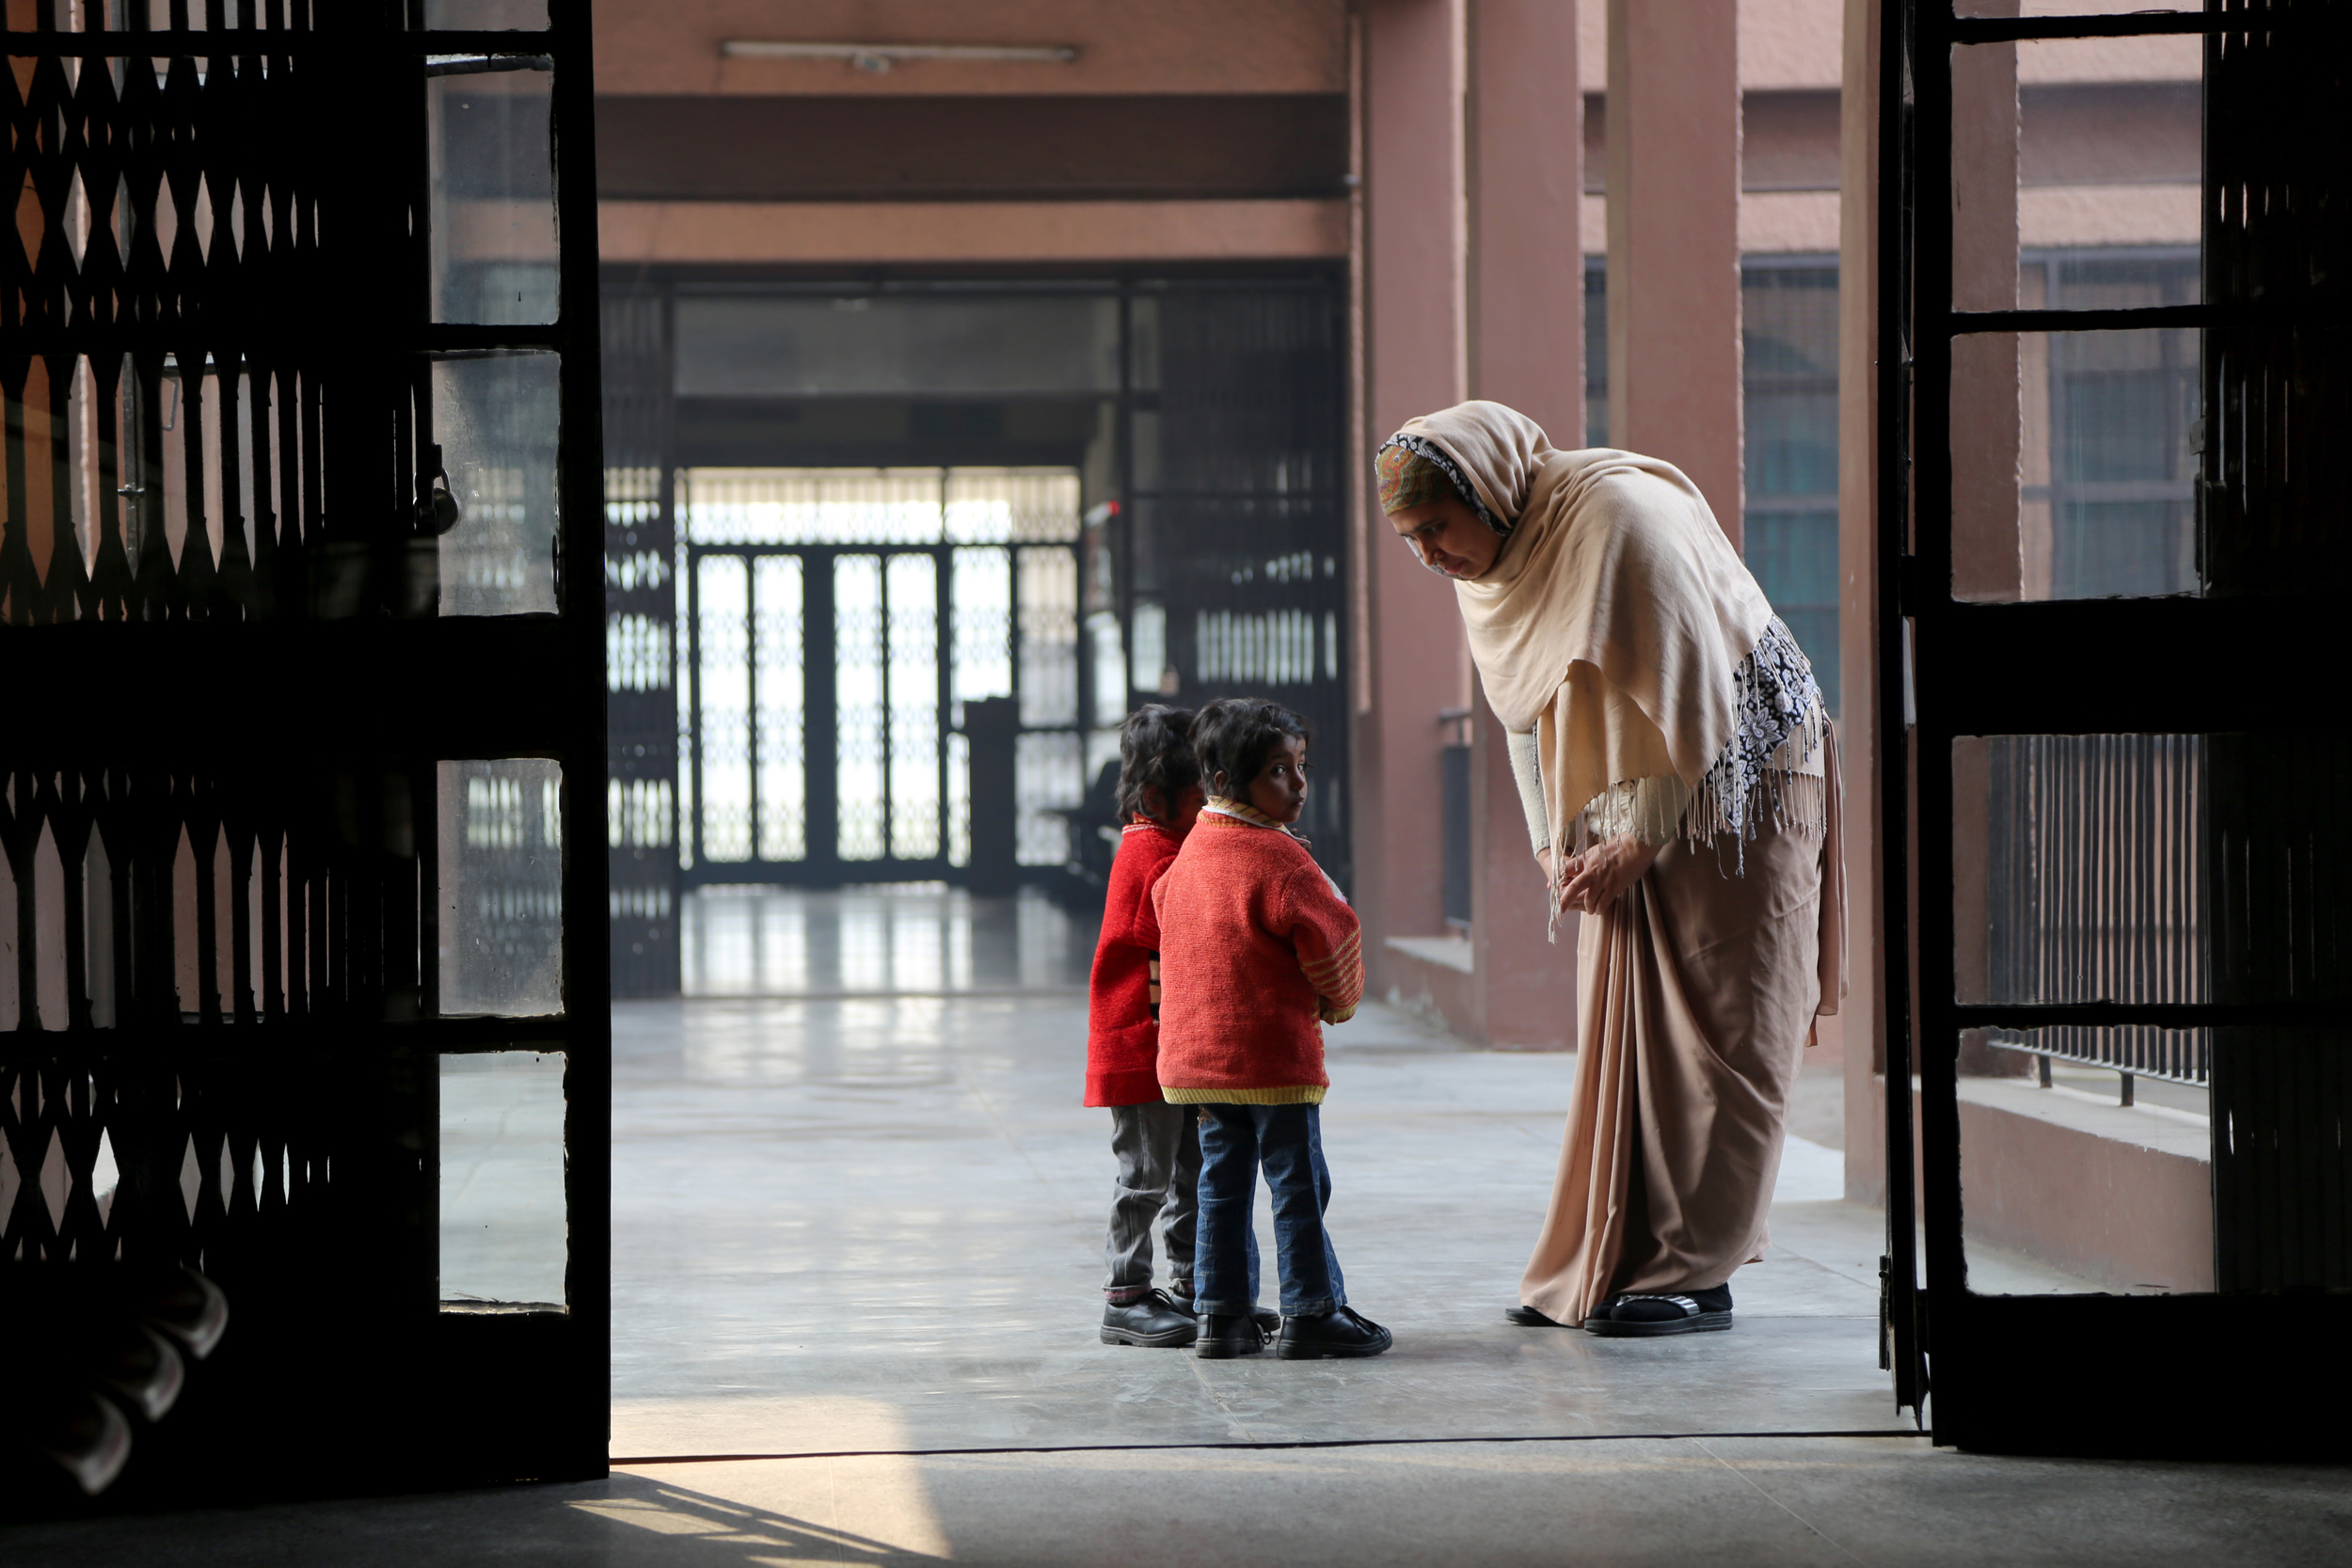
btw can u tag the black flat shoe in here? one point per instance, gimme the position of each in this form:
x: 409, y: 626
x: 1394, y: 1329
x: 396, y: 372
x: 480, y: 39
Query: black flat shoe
x: 1644, y: 1317
x: 1340, y: 1335
x: 1269, y: 1323
x: 1153, y: 1319
x: 1224, y: 1336
x: 1527, y: 1317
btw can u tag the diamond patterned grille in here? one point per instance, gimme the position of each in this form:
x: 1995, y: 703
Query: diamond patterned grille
x: 152, y: 919
x: 161, y: 402
x: 238, y: 402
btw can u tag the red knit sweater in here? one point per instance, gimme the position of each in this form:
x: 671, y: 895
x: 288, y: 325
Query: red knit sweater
x: 1122, y: 1037
x: 1257, y: 949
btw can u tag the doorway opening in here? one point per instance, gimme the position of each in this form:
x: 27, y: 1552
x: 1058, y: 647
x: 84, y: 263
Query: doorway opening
x: 880, y: 672
x: 888, y: 560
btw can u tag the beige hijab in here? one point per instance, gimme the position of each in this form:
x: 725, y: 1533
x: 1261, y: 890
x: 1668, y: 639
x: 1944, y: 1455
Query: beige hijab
x: 1613, y: 564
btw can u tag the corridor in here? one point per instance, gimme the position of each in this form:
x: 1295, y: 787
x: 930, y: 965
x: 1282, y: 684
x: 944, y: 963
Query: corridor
x: 868, y: 1217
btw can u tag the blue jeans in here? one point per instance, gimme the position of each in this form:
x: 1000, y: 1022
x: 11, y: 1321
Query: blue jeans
x: 1288, y: 1141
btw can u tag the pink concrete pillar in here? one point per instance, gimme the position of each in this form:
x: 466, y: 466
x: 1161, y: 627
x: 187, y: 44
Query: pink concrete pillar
x: 1864, y: 1016
x: 1416, y: 360
x: 1523, y: 990
x: 1674, y: 240
x: 1526, y: 183
x: 1527, y: 349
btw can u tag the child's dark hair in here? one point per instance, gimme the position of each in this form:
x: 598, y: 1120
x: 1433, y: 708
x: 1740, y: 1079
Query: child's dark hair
x: 1233, y: 735
x: 1155, y: 753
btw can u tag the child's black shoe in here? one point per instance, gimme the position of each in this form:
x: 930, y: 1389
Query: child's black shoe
x: 1269, y: 1323
x: 1224, y: 1336
x: 1149, y: 1319
x: 1342, y: 1334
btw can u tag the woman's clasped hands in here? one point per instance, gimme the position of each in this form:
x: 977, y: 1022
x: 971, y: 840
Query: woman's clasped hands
x: 1596, y: 878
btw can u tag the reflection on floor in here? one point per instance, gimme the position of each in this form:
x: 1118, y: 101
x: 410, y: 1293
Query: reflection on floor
x: 916, y: 938
x: 869, y: 1221
x: 866, y: 1223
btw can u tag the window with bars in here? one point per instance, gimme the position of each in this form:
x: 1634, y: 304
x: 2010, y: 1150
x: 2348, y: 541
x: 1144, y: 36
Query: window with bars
x: 2107, y: 503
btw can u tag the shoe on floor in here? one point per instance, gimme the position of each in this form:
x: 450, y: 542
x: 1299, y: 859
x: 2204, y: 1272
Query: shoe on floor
x: 1269, y: 1323
x: 1337, y: 1335
x: 1224, y: 1335
x: 1648, y: 1316
x: 1152, y: 1319
x: 1527, y: 1317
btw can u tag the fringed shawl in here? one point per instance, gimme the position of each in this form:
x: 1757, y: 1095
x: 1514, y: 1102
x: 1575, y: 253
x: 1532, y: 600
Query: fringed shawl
x: 1614, y: 561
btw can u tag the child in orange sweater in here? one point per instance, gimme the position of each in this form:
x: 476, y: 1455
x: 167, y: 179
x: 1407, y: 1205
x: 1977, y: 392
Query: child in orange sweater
x: 1258, y: 951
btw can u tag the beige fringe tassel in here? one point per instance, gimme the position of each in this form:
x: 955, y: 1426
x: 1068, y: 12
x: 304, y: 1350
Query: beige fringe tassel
x: 1796, y: 802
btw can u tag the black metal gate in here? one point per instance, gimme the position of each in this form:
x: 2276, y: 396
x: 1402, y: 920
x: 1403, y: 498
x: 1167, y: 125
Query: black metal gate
x: 1209, y: 427
x: 2130, y: 848
x: 641, y: 637
x: 1238, y: 513
x: 304, y: 735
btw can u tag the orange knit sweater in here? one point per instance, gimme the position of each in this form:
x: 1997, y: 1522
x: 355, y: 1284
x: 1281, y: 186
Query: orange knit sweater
x: 1256, y: 948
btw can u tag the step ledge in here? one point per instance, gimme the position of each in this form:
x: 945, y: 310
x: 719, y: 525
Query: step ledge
x: 2153, y: 1127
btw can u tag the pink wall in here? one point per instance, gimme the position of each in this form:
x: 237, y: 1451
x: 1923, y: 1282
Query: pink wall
x: 1123, y: 45
x: 1525, y: 992
x: 2119, y: 1213
x: 1865, y: 1012
x: 1985, y: 425
x: 1527, y: 349
x: 1527, y: 175
x: 916, y: 232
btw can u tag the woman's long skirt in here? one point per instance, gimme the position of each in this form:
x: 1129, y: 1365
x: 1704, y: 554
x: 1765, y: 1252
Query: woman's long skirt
x: 1697, y: 995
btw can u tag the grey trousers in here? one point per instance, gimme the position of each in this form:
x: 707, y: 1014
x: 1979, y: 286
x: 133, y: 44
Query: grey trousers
x: 1158, y: 1148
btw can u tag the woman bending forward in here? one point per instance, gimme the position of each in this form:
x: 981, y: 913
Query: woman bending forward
x: 1680, y: 779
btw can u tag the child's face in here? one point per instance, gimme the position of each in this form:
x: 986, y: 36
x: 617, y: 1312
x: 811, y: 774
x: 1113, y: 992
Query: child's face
x: 1280, y: 790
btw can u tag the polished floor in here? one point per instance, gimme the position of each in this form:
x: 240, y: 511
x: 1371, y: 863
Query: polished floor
x: 861, y: 1221
x: 913, y: 939
x: 1777, y: 1503
x: 856, y: 1247
x: 877, y: 1224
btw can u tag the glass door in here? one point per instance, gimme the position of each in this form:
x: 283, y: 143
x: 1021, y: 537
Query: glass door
x: 867, y: 652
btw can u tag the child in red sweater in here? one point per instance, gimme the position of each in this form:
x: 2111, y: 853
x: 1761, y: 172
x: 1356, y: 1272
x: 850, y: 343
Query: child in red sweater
x: 1258, y: 951
x: 1155, y: 1143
